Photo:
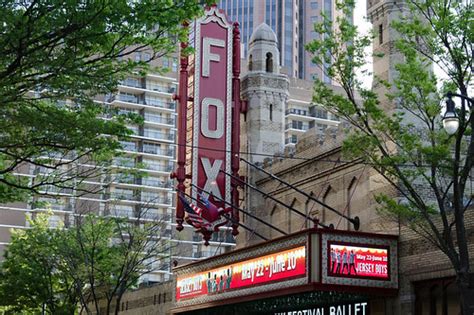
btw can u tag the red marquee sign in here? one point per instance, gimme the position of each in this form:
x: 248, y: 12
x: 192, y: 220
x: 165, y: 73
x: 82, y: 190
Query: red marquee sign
x: 280, y: 266
x: 212, y: 116
x: 366, y: 262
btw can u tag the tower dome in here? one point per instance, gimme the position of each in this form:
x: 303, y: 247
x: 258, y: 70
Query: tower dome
x: 263, y: 33
x: 263, y: 52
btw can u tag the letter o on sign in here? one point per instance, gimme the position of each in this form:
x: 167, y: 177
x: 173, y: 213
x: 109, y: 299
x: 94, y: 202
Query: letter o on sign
x: 219, y: 131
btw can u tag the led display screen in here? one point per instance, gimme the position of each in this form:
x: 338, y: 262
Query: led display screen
x: 279, y: 266
x: 357, y: 261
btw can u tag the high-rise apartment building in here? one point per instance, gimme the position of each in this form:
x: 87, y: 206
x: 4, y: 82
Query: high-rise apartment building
x: 152, y: 150
x: 292, y: 21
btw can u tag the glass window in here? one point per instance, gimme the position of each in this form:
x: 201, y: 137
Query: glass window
x: 314, y: 5
x: 152, y: 148
x: 128, y: 97
x: 174, y: 66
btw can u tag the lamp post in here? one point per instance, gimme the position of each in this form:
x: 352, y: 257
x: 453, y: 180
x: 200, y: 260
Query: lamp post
x: 457, y: 125
x: 450, y: 118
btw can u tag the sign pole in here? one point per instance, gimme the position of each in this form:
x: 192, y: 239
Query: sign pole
x: 182, y: 98
x: 235, y: 160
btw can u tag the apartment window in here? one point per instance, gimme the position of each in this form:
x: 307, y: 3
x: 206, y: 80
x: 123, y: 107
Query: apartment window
x: 380, y: 33
x: 314, y: 5
x: 314, y: 19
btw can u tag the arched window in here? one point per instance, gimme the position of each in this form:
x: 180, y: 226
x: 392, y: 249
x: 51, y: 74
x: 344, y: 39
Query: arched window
x: 250, y: 63
x: 350, y: 194
x: 329, y: 197
x: 269, y: 62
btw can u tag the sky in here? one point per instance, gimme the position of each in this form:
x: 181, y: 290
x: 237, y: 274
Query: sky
x: 360, y: 20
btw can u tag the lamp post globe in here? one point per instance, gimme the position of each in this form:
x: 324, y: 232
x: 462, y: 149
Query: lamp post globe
x: 450, y: 119
x: 450, y: 123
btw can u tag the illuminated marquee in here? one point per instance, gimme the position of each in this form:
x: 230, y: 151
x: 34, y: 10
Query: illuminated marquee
x: 350, y: 260
x: 212, y: 113
x: 280, y: 266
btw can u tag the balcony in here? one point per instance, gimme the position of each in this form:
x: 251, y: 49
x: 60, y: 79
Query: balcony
x: 158, y: 135
x: 135, y: 100
x: 158, y: 151
x: 295, y: 111
x: 132, y: 83
x: 226, y: 238
x: 128, y: 146
x: 160, y: 104
x: 158, y: 167
x: 159, y: 120
x: 157, y: 183
x: 203, y: 254
x: 297, y: 125
x: 122, y: 196
x: 156, y: 200
x: 162, y: 88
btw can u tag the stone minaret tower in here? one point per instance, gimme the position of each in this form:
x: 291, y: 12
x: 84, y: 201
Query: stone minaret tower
x: 266, y: 91
x: 381, y: 14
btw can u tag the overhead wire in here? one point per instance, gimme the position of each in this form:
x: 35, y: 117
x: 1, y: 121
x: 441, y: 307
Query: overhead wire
x: 285, y: 157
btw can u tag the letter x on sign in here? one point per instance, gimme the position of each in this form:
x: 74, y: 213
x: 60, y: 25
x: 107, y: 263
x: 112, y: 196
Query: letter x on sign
x: 211, y: 176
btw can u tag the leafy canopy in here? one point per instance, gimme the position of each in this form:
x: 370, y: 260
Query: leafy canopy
x: 57, y: 56
x: 97, y: 259
x: 396, y: 124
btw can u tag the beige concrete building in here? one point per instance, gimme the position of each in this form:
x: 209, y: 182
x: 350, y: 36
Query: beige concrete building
x: 151, y: 149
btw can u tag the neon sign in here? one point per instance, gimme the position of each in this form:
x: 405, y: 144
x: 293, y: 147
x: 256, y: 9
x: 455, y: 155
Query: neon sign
x: 369, y: 262
x: 280, y: 266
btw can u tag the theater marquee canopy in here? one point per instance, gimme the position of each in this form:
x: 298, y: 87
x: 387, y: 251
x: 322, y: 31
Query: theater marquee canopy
x: 322, y: 260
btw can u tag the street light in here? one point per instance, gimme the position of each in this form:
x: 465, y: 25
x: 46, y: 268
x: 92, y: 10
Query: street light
x: 450, y: 118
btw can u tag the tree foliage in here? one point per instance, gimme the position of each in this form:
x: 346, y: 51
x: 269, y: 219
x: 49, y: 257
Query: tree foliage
x: 396, y: 125
x: 91, y: 264
x: 56, y: 57
x: 30, y: 273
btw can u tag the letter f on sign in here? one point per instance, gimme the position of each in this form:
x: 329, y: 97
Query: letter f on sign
x: 211, y: 174
x: 207, y: 56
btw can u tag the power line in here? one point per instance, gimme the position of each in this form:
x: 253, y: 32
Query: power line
x: 285, y: 157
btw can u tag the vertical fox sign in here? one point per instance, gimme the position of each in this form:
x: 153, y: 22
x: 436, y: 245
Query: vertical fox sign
x: 212, y: 115
x: 213, y: 118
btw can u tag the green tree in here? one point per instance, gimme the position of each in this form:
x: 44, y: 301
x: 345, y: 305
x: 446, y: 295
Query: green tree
x: 107, y: 256
x: 399, y: 131
x: 91, y: 264
x: 56, y: 57
x: 30, y: 276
